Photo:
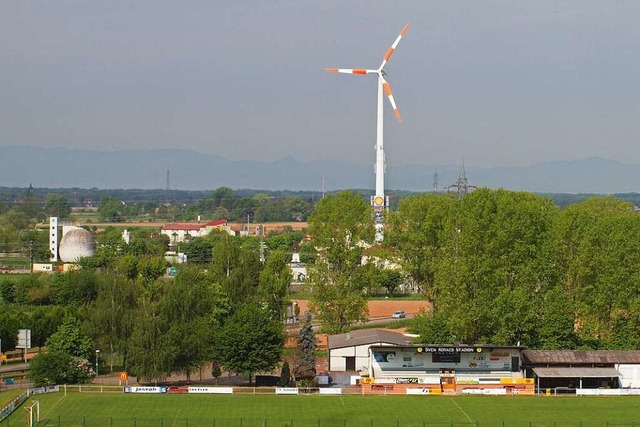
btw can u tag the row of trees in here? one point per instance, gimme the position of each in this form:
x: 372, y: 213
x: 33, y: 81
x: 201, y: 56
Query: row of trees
x: 507, y: 267
x: 118, y: 206
x: 223, y: 203
x: 230, y: 313
x: 497, y: 266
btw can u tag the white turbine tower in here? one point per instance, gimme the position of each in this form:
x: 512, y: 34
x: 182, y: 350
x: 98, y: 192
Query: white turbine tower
x: 379, y: 201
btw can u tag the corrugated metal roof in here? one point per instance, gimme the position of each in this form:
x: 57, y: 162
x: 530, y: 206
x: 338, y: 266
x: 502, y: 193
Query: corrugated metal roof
x: 577, y: 372
x: 367, y: 336
x: 580, y: 357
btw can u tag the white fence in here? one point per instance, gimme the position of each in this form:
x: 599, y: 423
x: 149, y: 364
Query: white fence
x: 608, y: 392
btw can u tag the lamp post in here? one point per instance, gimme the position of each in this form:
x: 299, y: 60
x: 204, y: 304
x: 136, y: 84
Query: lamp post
x: 97, y: 353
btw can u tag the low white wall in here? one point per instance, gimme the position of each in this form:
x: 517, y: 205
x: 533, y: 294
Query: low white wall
x: 330, y: 391
x: 608, y: 392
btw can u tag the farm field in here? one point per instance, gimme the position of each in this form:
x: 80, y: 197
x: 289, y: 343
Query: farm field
x: 95, y: 409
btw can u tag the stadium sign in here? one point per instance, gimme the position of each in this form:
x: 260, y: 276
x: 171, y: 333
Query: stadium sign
x: 449, y: 350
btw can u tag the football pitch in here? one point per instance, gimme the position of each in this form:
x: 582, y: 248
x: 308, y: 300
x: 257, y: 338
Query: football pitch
x: 95, y: 409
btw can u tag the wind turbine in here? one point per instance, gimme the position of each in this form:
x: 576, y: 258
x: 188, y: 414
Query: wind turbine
x: 379, y: 201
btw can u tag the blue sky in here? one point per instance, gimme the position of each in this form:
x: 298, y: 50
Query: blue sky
x: 491, y: 82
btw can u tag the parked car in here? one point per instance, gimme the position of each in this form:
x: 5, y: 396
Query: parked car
x: 399, y: 314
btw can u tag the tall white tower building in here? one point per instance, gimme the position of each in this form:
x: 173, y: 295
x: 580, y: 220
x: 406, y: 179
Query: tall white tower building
x: 53, y: 238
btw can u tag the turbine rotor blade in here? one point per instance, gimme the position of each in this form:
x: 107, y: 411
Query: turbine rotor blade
x: 389, y: 93
x: 357, y: 71
x: 392, y: 49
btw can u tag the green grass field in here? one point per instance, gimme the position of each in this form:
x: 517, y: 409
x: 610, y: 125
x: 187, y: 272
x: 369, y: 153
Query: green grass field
x: 95, y: 409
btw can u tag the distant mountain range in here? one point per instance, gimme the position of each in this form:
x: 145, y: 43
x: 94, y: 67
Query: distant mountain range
x: 190, y: 170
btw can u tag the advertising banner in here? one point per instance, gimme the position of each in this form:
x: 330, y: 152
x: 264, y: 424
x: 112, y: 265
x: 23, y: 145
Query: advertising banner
x: 418, y: 391
x: 211, y: 390
x: 180, y: 390
x: 495, y: 391
x: 286, y: 390
x: 330, y: 391
x: 145, y: 389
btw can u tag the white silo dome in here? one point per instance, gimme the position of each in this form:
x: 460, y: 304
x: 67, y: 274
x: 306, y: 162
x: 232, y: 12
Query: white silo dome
x: 75, y: 244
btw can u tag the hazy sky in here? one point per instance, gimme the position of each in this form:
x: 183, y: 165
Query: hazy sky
x: 491, y: 82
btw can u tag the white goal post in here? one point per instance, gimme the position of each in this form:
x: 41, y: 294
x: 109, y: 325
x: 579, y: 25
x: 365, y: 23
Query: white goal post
x: 32, y: 413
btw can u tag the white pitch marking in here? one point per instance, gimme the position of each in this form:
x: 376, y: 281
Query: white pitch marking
x: 54, y: 405
x: 462, y: 410
x: 175, y: 420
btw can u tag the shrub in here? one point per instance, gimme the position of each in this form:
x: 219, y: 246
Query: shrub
x: 57, y: 367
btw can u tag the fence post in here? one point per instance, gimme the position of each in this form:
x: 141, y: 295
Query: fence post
x: 264, y: 422
x: 240, y: 422
x: 397, y: 423
x: 58, y: 420
x: 134, y: 422
x: 187, y: 421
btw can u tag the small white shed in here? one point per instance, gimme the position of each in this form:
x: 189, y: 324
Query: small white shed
x: 350, y: 351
